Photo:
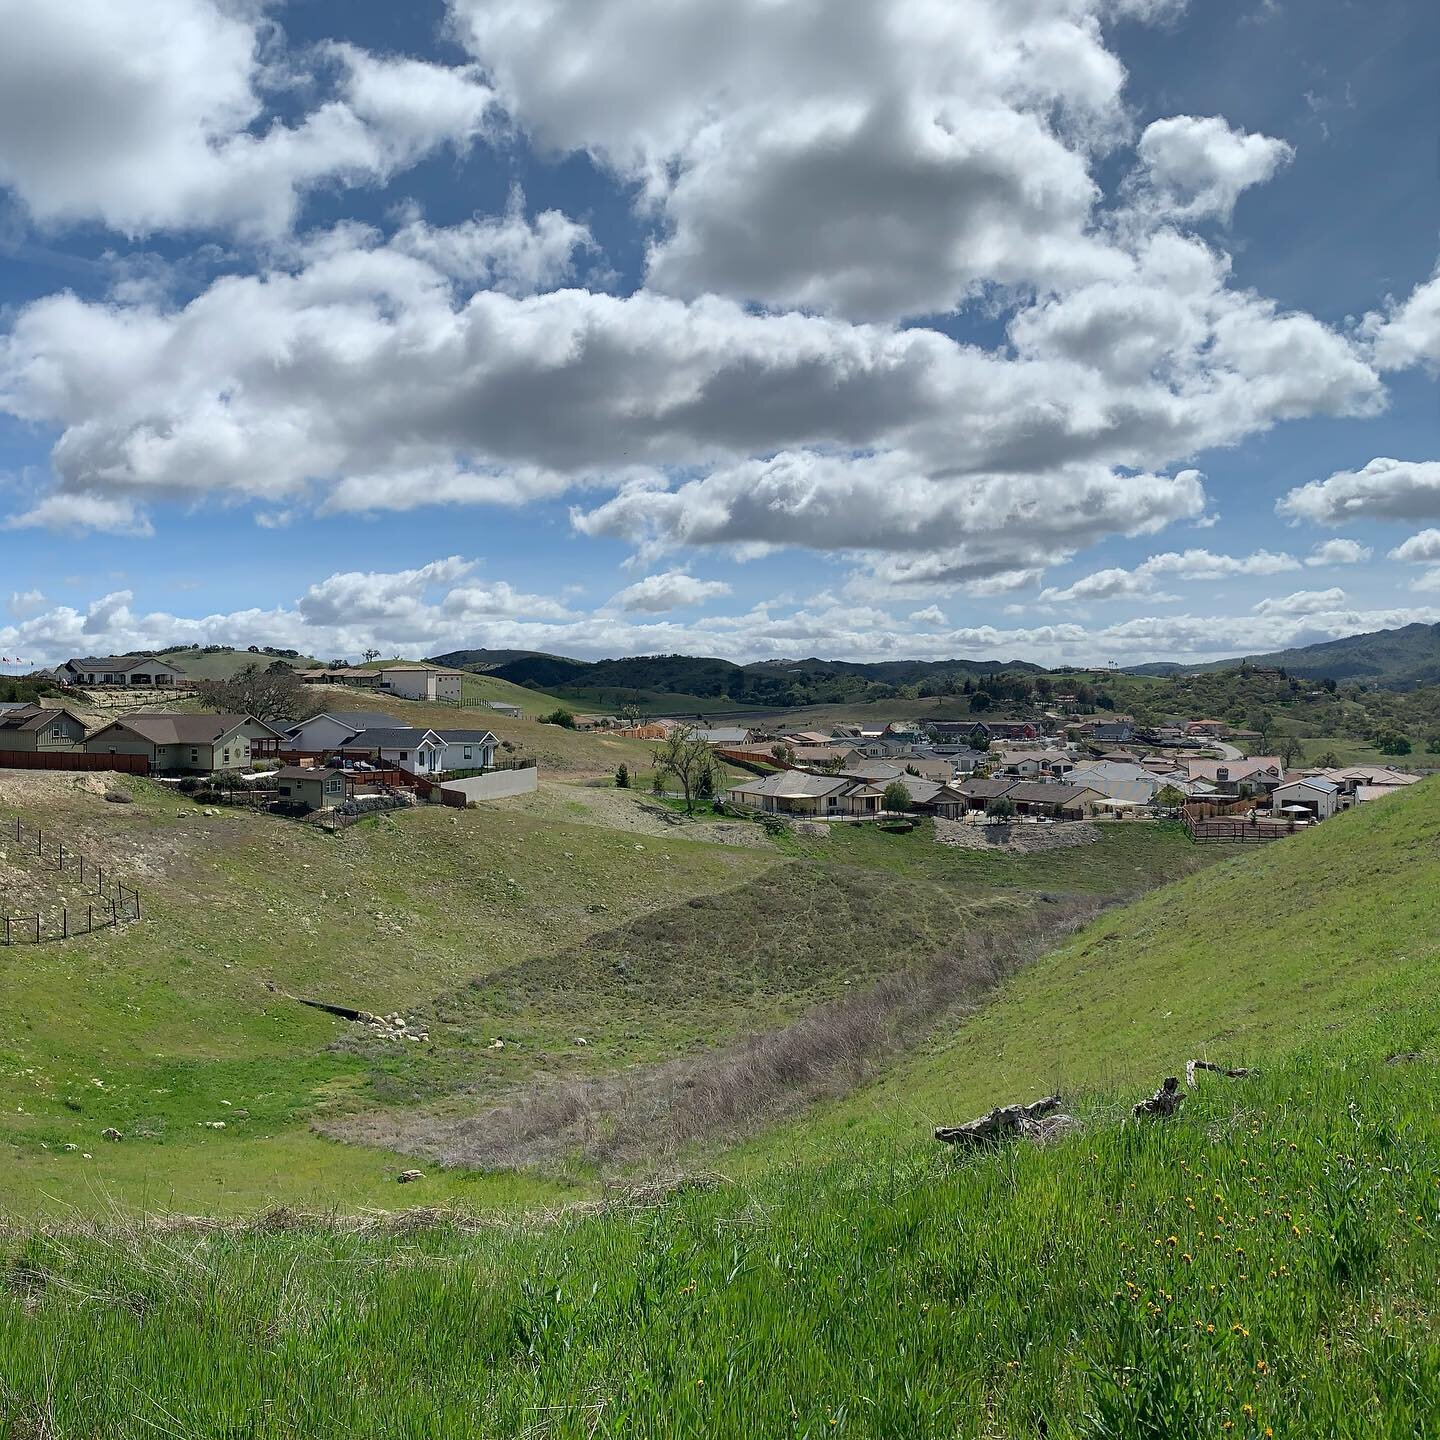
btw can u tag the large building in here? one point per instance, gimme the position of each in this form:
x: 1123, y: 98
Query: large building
x: 40, y: 729
x: 132, y: 671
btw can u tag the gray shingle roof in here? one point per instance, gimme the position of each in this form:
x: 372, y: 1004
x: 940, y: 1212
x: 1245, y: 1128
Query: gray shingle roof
x: 390, y: 737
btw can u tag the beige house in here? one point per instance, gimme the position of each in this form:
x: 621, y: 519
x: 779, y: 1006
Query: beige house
x: 821, y: 797
x: 40, y: 729
x: 422, y: 682
x: 177, y: 743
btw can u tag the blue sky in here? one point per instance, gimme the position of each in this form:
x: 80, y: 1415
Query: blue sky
x: 1081, y: 330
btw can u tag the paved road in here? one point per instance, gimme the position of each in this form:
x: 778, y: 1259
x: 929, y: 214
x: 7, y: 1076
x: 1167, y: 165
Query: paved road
x: 1227, y: 752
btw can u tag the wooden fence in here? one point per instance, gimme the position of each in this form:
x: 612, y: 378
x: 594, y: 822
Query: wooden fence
x: 73, y: 760
x: 1234, y: 831
x: 112, y: 903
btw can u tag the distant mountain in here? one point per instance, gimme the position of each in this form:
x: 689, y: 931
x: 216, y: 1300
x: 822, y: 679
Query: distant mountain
x: 487, y: 660
x: 1393, y: 659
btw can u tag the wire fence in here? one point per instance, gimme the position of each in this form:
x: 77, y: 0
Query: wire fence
x: 111, y: 902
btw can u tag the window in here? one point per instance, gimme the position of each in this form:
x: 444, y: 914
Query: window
x: 224, y: 757
x: 467, y: 752
x: 194, y: 757
x: 404, y: 754
x: 56, y: 733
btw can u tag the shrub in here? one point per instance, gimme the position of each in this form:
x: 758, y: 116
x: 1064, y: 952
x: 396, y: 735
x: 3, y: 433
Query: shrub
x: 897, y: 796
x: 1000, y: 808
x: 560, y: 716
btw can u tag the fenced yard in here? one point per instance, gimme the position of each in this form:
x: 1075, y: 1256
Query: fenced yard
x: 103, y: 902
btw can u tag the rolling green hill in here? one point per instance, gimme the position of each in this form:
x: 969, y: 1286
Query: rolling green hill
x: 1397, y: 659
x: 218, y: 663
x: 1265, y: 1264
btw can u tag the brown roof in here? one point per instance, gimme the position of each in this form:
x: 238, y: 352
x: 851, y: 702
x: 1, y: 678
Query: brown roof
x: 303, y: 772
x: 176, y: 728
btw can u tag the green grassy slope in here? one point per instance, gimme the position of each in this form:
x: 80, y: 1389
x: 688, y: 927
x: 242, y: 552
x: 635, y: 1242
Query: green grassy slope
x: 170, y: 1024
x: 224, y: 664
x: 1264, y: 1265
x: 1246, y: 959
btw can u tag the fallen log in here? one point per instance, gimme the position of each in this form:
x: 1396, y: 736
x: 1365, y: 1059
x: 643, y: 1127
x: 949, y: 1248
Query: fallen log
x: 1195, y: 1065
x: 1000, y: 1124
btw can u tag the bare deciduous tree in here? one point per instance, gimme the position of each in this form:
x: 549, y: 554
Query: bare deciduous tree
x: 273, y: 693
x: 684, y: 755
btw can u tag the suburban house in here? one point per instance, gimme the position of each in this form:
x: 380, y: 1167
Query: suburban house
x: 38, y: 729
x: 1314, y: 795
x: 503, y: 707
x: 1054, y: 801
x: 726, y: 735
x: 1256, y: 776
x: 421, y: 752
x: 884, y: 771
x: 1125, y: 785
x: 186, y: 744
x: 340, y: 675
x: 314, y: 789
x: 422, y: 682
x: 322, y: 733
x: 1113, y: 732
x: 129, y: 670
x: 977, y: 794
x: 1035, y: 764
x: 793, y: 792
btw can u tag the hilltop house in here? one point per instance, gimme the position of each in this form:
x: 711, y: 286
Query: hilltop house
x: 422, y: 682
x: 724, y: 736
x: 128, y: 670
x: 40, y: 729
x: 186, y: 744
x: 1256, y: 776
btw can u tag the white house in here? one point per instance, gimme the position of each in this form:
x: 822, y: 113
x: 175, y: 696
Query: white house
x: 422, y: 682
x: 129, y: 670
x: 422, y: 752
x: 332, y: 729
x: 1319, y: 796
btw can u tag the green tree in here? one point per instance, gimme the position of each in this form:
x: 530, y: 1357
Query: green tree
x: 897, y: 796
x: 1432, y: 745
x: 1000, y: 808
x: 1170, y: 797
x: 1391, y: 742
x: 560, y: 716
x: 622, y: 776
x: 1291, y: 750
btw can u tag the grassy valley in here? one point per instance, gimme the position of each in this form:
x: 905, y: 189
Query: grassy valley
x: 1264, y: 1264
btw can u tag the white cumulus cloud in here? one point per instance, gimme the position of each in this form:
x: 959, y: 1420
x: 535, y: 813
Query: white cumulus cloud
x: 672, y: 590
x: 1384, y: 490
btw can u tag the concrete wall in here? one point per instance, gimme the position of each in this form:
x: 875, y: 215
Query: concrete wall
x: 496, y: 786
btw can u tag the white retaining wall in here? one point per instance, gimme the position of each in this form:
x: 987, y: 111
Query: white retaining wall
x: 495, y: 786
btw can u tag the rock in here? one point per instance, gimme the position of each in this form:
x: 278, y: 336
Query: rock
x: 213, y: 1124
x: 581, y: 1040
x: 497, y: 1044
x: 118, y: 797
x: 409, y: 1177
x: 69, y: 1149
x: 111, y: 1134
x: 208, y: 811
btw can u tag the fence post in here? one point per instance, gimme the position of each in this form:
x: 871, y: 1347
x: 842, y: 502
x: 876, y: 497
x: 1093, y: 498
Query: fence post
x: 89, y: 918
x: 65, y: 922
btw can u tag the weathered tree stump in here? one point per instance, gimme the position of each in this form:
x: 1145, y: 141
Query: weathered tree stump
x: 1164, y: 1102
x: 1000, y: 1124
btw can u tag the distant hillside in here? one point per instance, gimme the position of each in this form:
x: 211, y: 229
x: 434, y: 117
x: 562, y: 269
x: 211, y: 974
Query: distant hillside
x: 221, y: 663
x: 771, y: 682
x: 1397, y: 659
x: 481, y: 660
